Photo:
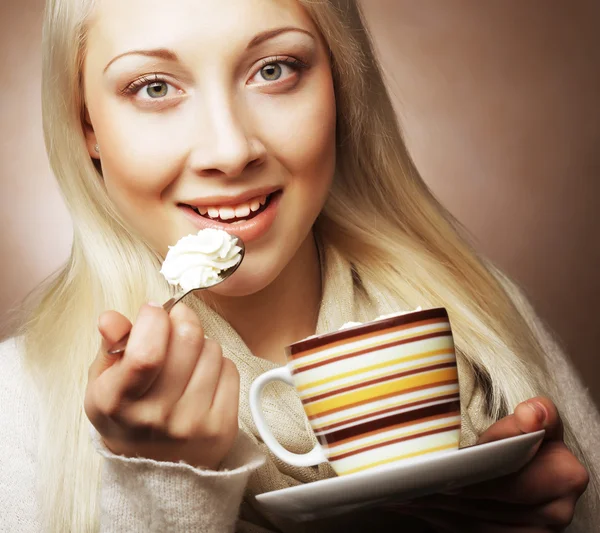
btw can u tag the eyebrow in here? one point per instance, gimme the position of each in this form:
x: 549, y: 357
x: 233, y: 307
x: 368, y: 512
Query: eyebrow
x: 168, y: 55
x: 270, y: 34
x: 160, y: 53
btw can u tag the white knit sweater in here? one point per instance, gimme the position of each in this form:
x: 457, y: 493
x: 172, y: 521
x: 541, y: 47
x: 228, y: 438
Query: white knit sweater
x: 140, y: 495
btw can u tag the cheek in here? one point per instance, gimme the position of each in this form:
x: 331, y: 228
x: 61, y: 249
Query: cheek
x: 301, y: 133
x: 141, y: 156
x: 141, y: 153
x: 311, y: 157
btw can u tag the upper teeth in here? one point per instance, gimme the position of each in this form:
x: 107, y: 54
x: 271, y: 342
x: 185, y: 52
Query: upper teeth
x: 233, y: 211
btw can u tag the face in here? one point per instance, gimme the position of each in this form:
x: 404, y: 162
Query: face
x: 213, y: 113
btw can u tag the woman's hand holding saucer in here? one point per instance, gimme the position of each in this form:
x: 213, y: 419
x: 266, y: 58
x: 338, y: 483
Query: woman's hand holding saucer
x: 171, y: 396
x: 540, y: 498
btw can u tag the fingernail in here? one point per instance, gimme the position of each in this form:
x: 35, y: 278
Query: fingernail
x: 154, y: 304
x: 539, y: 410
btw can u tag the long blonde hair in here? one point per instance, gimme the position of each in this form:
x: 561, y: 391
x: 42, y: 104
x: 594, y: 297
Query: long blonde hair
x: 380, y: 215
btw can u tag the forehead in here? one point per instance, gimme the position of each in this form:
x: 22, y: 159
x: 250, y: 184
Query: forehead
x: 120, y: 25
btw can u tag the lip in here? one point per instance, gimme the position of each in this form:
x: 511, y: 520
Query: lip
x: 222, y: 201
x: 248, y: 231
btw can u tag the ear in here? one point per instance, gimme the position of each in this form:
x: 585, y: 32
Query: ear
x: 90, y: 136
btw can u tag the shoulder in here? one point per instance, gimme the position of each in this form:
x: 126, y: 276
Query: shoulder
x: 574, y: 398
x: 17, y: 391
x: 12, y: 367
x: 11, y: 360
x: 10, y: 353
x: 19, y: 417
x: 541, y: 330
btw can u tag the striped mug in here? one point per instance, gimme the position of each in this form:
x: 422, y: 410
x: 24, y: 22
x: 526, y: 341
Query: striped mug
x: 375, y: 394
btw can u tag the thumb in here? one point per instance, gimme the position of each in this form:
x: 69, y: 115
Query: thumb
x: 113, y: 327
x: 532, y: 415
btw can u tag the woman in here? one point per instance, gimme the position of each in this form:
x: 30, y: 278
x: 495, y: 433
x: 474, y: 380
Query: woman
x: 268, y: 118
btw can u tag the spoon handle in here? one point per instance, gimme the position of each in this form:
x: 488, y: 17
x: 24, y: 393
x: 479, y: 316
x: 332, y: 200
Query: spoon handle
x: 169, y: 304
x: 119, y: 347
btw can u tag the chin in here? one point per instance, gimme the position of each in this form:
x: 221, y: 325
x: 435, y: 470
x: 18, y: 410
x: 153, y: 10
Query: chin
x: 244, y: 282
x: 259, y: 270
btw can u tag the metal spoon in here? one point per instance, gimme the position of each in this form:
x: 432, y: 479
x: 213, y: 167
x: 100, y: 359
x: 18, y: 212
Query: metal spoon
x: 119, y: 347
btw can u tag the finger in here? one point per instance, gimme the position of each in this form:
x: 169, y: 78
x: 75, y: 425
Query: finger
x: 557, y: 513
x: 526, y: 418
x: 552, y: 422
x: 202, y: 386
x: 113, y: 327
x: 186, y: 341
x: 226, y: 399
x: 554, y: 473
x: 145, y: 354
x: 192, y: 409
x: 532, y: 415
x: 442, y: 521
x: 489, y: 510
x: 490, y: 527
x: 449, y: 522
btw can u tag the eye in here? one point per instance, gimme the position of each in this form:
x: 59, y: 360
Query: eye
x: 277, y: 70
x: 157, y: 89
x: 151, y: 88
x: 271, y: 72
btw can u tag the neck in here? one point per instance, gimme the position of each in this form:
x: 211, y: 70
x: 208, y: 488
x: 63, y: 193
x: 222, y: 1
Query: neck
x: 270, y: 319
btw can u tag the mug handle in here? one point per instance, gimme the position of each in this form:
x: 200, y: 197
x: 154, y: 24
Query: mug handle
x: 314, y: 457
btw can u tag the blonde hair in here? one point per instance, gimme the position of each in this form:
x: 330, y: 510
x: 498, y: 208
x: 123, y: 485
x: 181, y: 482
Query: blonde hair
x: 380, y: 215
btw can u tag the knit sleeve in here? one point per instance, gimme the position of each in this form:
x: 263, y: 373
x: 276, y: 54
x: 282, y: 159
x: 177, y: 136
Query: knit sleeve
x: 18, y: 445
x: 142, y: 495
x: 575, y: 404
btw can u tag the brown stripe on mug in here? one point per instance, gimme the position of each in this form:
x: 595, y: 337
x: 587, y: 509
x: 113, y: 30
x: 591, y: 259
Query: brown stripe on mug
x: 398, y: 427
x: 390, y: 422
x: 322, y: 342
x: 367, y: 336
x: 385, y: 396
x: 382, y: 379
x: 454, y: 427
x: 416, y: 338
x: 324, y: 429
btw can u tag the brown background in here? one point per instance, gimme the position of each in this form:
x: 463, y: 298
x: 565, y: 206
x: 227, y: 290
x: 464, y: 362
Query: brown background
x: 500, y: 104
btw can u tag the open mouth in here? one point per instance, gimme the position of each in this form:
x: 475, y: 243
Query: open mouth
x: 234, y: 214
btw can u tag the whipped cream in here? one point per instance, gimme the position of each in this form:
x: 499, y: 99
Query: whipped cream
x: 380, y: 317
x: 353, y: 324
x: 196, y: 261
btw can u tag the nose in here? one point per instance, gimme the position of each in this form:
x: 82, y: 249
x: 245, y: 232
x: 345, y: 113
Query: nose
x: 225, y: 146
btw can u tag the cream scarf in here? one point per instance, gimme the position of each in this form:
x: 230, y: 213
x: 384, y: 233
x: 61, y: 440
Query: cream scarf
x: 345, y: 299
